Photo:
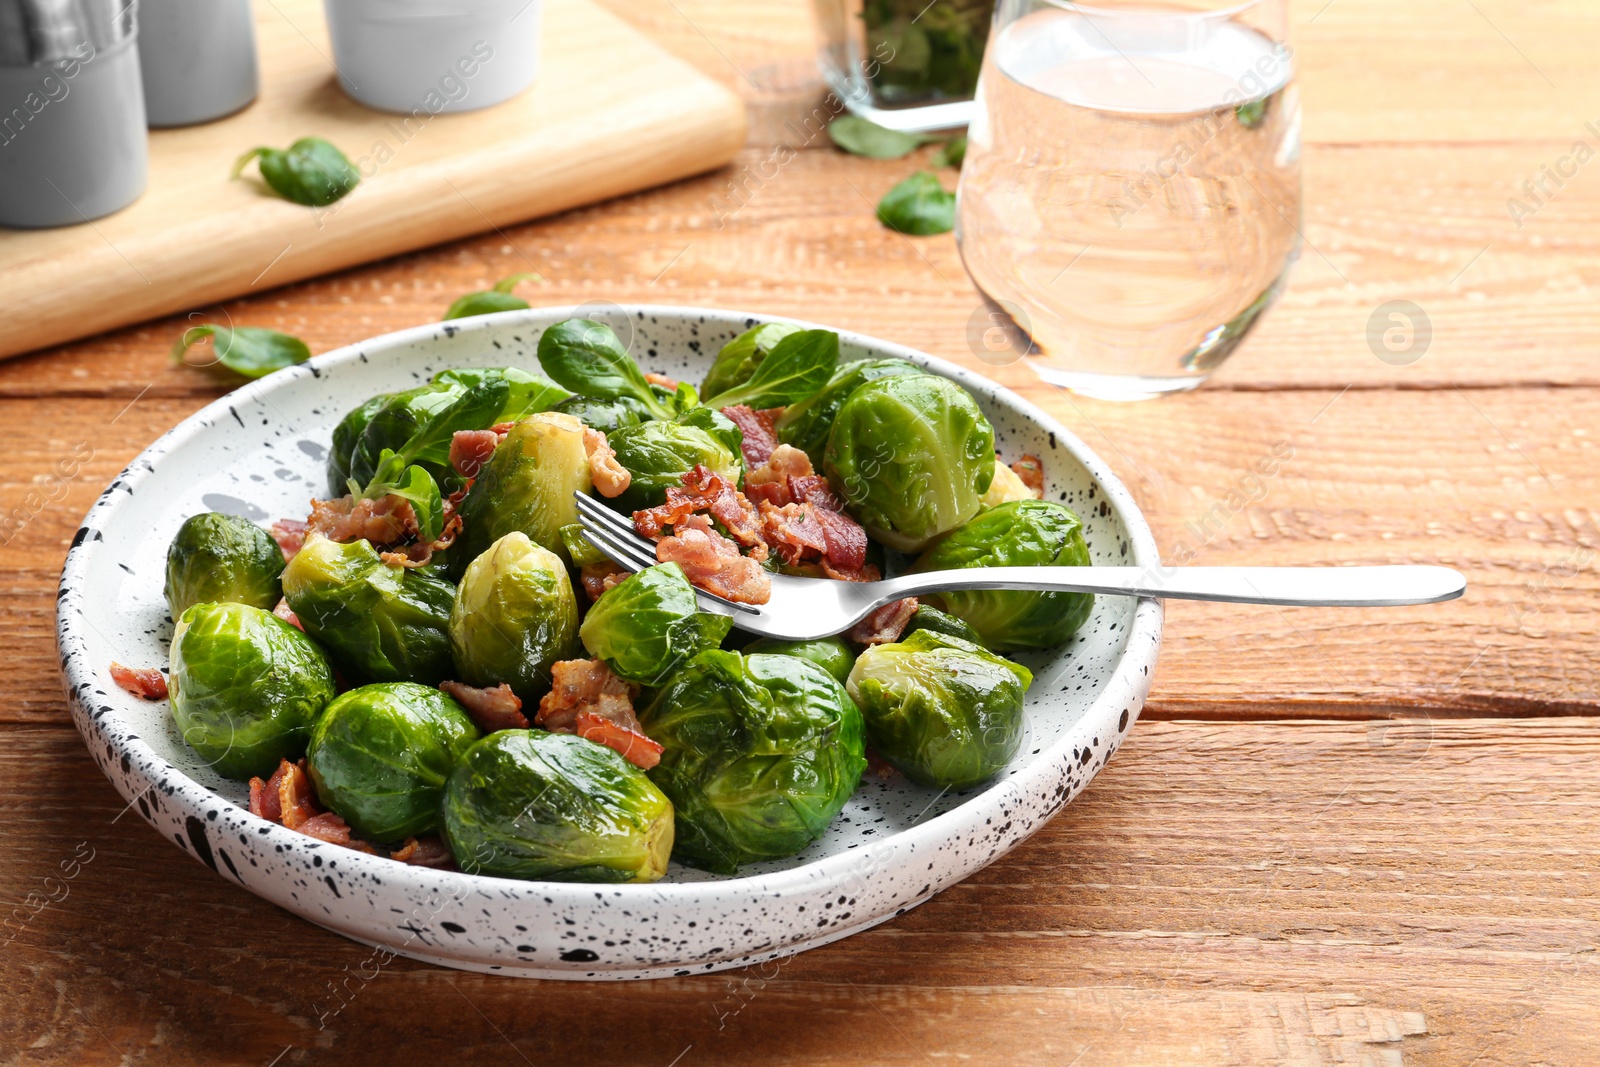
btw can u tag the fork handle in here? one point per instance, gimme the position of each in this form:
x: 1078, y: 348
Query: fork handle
x: 1299, y: 586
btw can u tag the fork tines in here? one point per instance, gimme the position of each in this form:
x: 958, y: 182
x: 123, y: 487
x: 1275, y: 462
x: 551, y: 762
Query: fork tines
x: 613, y: 534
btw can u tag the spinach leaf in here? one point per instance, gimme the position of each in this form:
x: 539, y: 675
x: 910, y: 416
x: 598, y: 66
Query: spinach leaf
x: 248, y: 350
x: 919, y: 205
x: 797, y: 367
x: 529, y: 393
x: 487, y: 302
x: 585, y: 356
x: 861, y: 137
x: 311, y: 171
x: 412, y: 483
x: 951, y: 154
x: 477, y: 407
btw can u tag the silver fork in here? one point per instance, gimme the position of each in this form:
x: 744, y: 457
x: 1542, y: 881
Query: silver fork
x: 802, y: 609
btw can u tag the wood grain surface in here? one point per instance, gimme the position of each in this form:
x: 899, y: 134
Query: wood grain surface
x: 1338, y: 837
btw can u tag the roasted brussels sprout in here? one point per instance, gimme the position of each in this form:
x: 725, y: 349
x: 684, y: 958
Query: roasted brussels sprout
x: 515, y: 614
x: 829, y: 653
x: 527, y: 485
x: 649, y: 625
x: 345, y: 437
x: 1020, y: 533
x: 246, y: 687
x: 526, y: 393
x: 381, y: 754
x: 218, y: 558
x: 928, y: 617
x: 805, y: 425
x: 1006, y: 487
x: 911, y: 457
x: 740, y: 357
x: 607, y: 416
x: 659, y: 454
x: 579, y: 550
x: 760, y: 753
x: 942, y: 710
x: 529, y: 804
x: 419, y: 423
x: 379, y: 623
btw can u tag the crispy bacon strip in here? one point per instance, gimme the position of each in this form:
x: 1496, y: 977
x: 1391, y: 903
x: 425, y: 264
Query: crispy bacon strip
x: 588, y: 700
x: 661, y: 379
x: 759, y: 429
x: 610, y: 478
x: 793, y: 531
x: 492, y: 709
x: 290, y: 535
x: 281, y: 610
x: 329, y: 827
x: 703, y: 491
x: 147, y: 683
x: 1031, y: 470
x: 713, y: 562
x: 471, y: 449
x: 287, y: 798
x: 385, y: 521
x: 597, y: 578
x: 776, y: 468
x: 885, y: 624
x: 425, y: 852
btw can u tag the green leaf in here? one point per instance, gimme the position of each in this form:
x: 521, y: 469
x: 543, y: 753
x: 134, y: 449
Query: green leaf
x: 489, y: 301
x: 860, y: 137
x: 476, y: 408
x: 951, y: 154
x: 919, y: 205
x: 311, y: 171
x: 797, y: 367
x: 248, y: 350
x: 422, y: 491
x: 585, y: 356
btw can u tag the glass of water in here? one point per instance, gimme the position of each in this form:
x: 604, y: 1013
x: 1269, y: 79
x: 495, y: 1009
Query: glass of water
x: 1130, y: 201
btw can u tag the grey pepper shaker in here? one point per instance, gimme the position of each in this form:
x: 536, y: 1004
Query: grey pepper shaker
x: 73, y: 145
x: 198, y: 59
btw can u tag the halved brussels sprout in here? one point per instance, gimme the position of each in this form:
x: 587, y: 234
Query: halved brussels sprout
x: 527, y: 485
x: 760, y: 753
x: 515, y: 614
x: 381, y: 754
x: 1019, y: 533
x: 345, y: 437
x: 943, y: 711
x: 1006, y: 487
x: 527, y: 393
x: 659, y: 454
x: 650, y: 624
x: 740, y: 357
x: 829, y: 653
x: 911, y: 457
x: 217, y: 558
x: 805, y: 425
x: 379, y: 623
x: 246, y: 687
x: 927, y: 617
x: 530, y: 804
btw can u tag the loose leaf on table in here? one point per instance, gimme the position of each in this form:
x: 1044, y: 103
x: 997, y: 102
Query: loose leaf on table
x: 248, y: 350
x: 861, y: 137
x: 919, y: 205
x: 586, y: 357
x: 311, y: 171
x: 951, y: 154
x: 797, y: 367
x: 488, y: 301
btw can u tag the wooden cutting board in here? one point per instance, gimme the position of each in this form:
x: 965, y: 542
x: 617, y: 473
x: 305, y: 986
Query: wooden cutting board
x: 610, y: 114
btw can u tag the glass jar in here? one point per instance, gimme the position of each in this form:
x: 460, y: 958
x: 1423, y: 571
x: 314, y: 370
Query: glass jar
x: 908, y: 65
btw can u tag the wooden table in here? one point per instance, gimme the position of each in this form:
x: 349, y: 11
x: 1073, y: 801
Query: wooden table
x: 1335, y: 837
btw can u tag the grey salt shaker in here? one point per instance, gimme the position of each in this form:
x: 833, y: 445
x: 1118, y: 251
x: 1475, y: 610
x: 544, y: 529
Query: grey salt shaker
x: 73, y: 145
x: 198, y: 59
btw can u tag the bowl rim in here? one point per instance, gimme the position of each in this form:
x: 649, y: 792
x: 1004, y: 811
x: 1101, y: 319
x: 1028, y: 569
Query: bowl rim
x: 1139, y: 655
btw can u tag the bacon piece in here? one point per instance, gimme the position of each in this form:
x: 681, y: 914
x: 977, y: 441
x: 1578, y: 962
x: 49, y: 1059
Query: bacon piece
x: 425, y: 852
x: 610, y: 478
x: 885, y: 624
x: 335, y: 831
x: 290, y: 535
x: 281, y: 610
x: 1031, y: 470
x: 286, y: 797
x: 147, y: 683
x: 492, y: 709
x: 846, y: 552
x: 599, y: 577
x: 385, y: 521
x: 792, y: 531
x: 588, y: 700
x: 471, y: 449
x: 782, y: 463
x: 662, y: 380
x: 712, y: 562
x: 759, y: 429
x: 703, y: 490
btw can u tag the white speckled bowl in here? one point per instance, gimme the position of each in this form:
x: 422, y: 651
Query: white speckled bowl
x: 259, y: 452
